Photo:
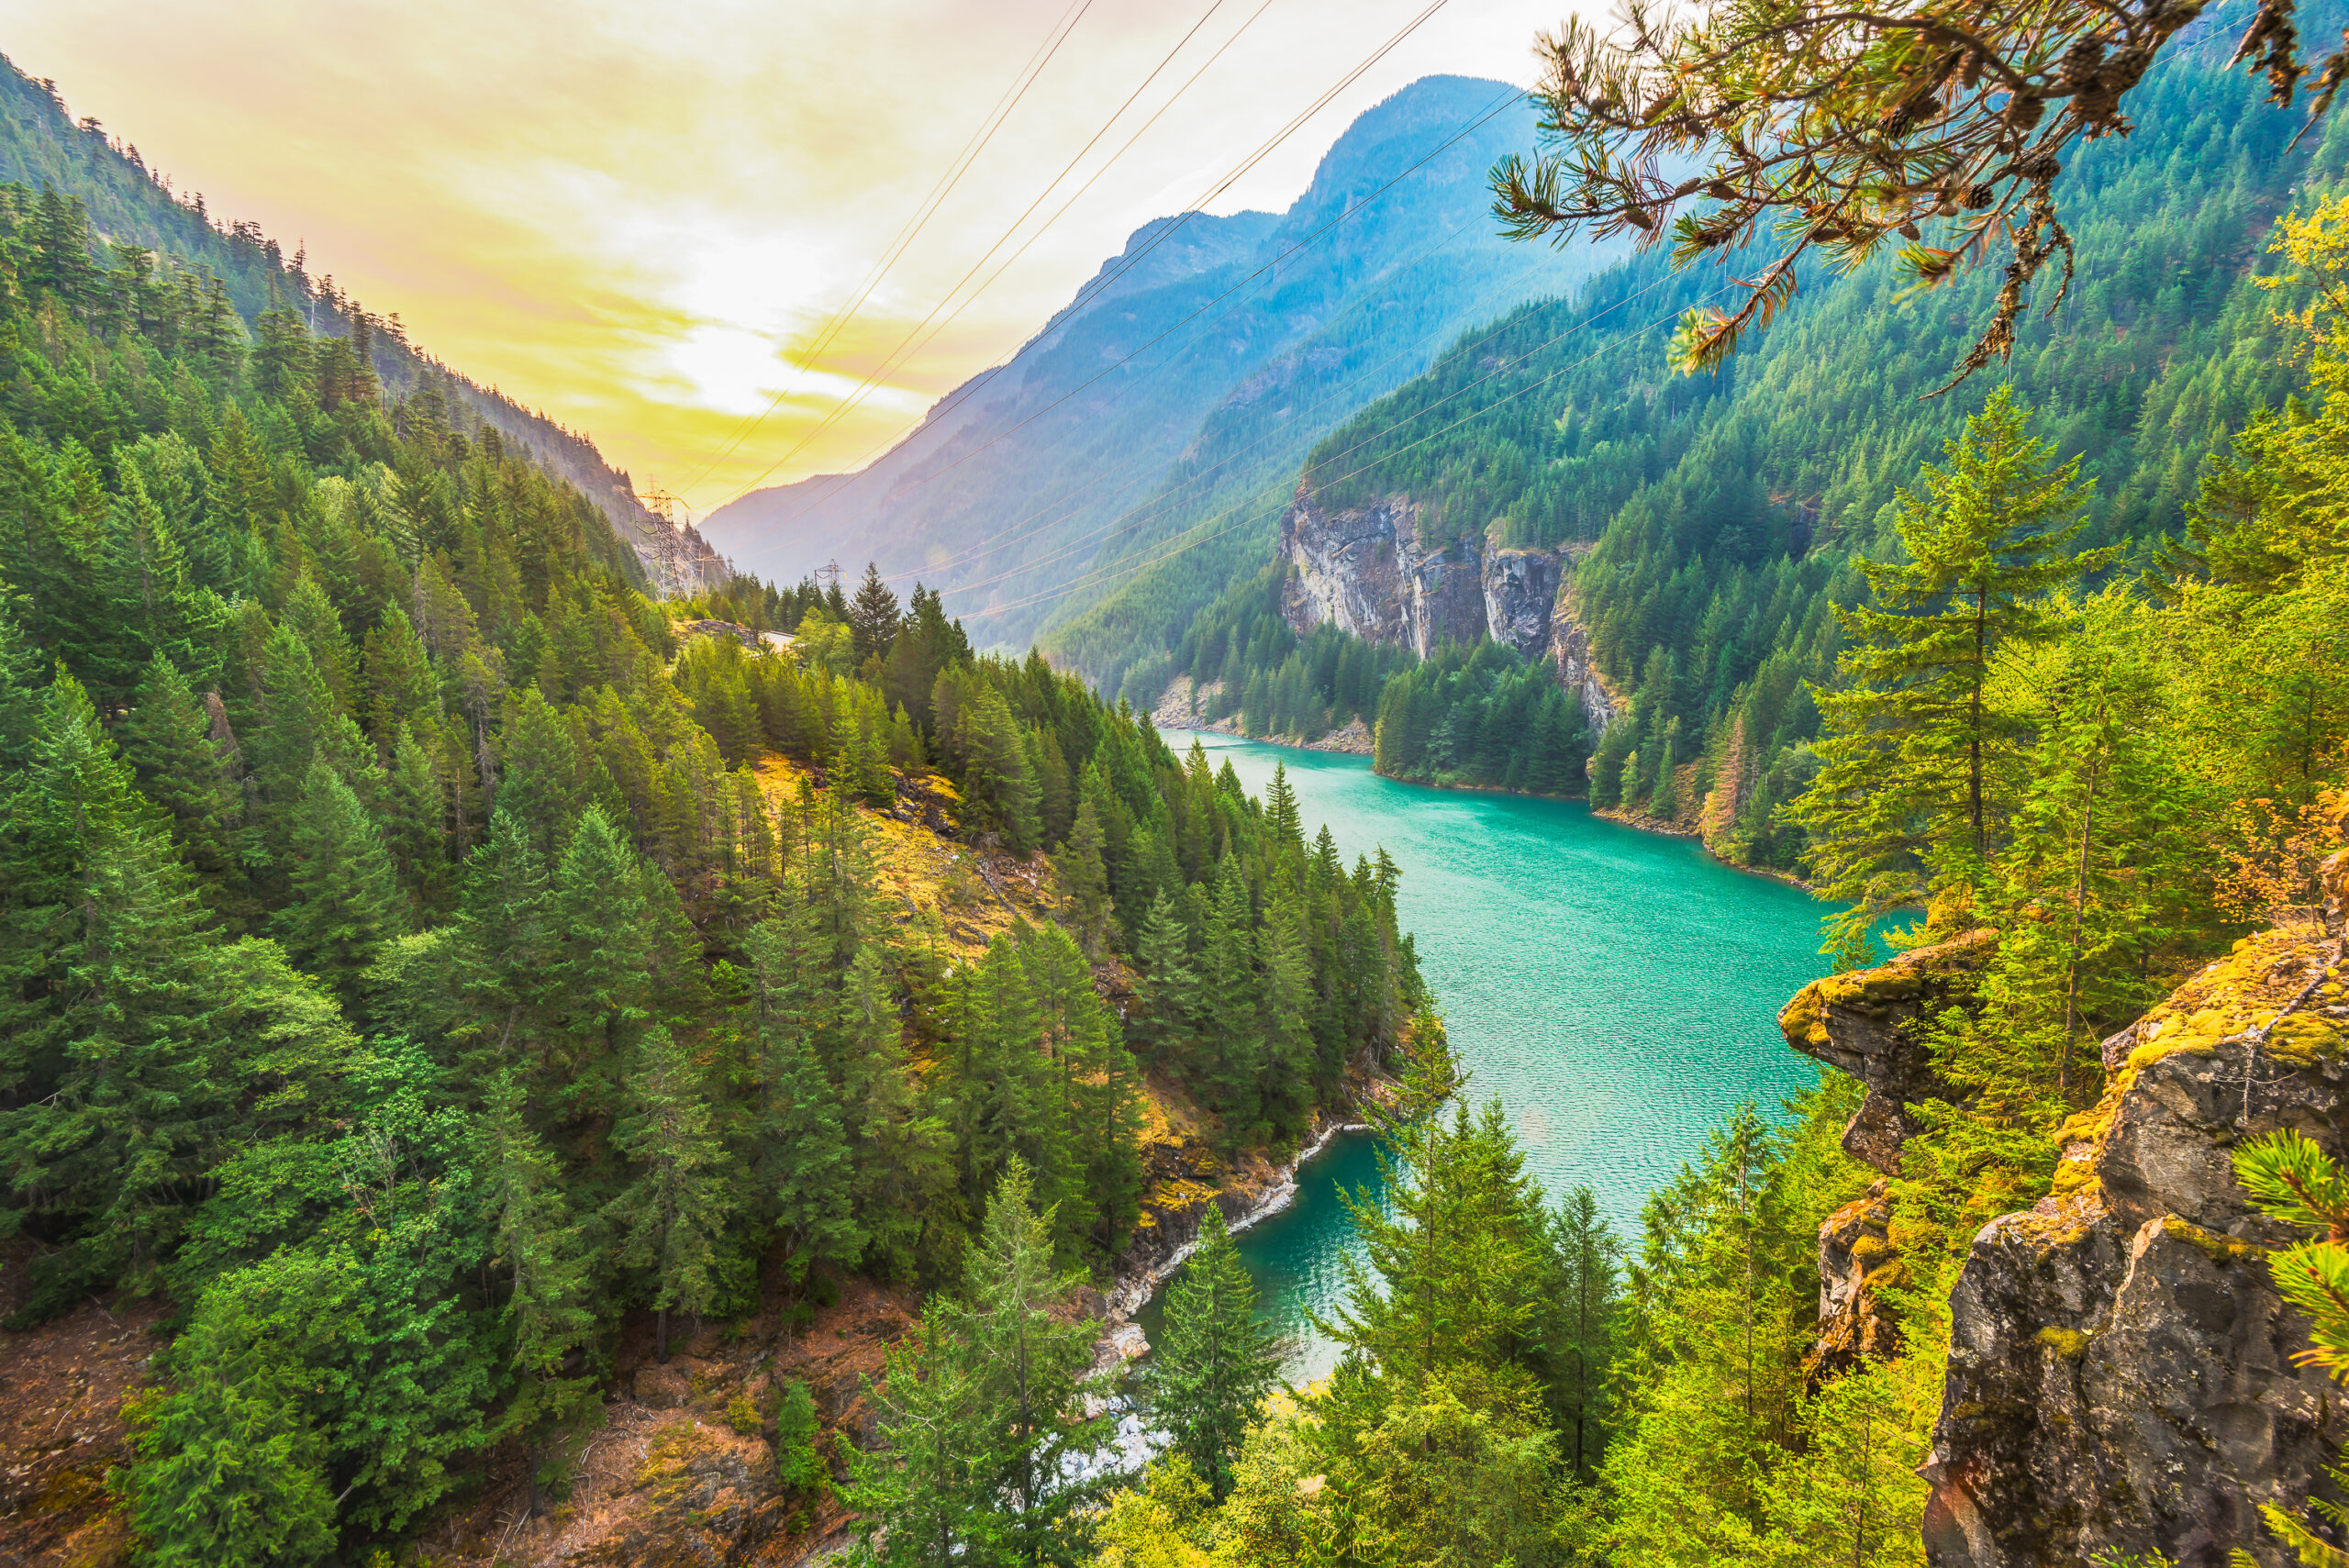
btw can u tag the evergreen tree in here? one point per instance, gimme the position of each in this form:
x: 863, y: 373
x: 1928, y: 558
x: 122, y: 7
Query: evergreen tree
x: 1217, y: 1362
x: 1033, y: 1359
x: 1170, y: 986
x: 182, y: 769
x: 546, y: 1262
x: 1909, y: 802
x: 1575, y: 1327
x: 603, y: 969
x: 1232, y: 1042
x: 873, y: 615
x: 345, y: 895
x: 1085, y: 883
x: 400, y: 688
x: 671, y: 1214
x: 801, y: 1166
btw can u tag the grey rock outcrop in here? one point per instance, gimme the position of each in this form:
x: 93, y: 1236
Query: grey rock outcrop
x: 1522, y: 597
x: 2122, y: 1373
x: 1577, y: 670
x: 1864, y: 1024
x: 1856, y: 1259
x: 1363, y: 570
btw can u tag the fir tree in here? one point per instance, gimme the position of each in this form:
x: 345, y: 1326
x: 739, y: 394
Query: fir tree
x: 802, y: 1167
x: 1170, y: 986
x: 1908, y: 802
x: 873, y: 615
x: 345, y: 895
x: 1085, y: 883
x: 1217, y: 1362
x: 546, y: 1263
x: 182, y: 768
x: 671, y: 1214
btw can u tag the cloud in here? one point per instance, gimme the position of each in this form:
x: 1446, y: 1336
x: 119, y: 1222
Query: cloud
x: 641, y: 216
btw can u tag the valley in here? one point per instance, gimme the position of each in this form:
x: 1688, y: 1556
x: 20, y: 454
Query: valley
x: 1616, y: 833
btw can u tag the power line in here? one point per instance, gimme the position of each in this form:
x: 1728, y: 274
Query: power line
x: 913, y: 225
x: 908, y: 346
x: 1128, y: 262
x: 1414, y: 416
x: 1265, y: 271
x: 1096, y: 579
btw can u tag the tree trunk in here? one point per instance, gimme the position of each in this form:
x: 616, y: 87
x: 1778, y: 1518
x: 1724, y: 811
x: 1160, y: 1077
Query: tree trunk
x: 1974, y: 737
x: 2079, y: 919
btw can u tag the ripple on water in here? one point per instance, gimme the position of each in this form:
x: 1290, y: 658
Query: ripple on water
x: 1618, y: 991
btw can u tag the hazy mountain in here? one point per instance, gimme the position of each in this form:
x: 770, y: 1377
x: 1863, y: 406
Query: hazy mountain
x: 1195, y: 369
x: 42, y: 145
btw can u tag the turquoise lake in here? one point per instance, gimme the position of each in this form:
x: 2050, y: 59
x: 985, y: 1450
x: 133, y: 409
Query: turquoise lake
x: 1618, y: 991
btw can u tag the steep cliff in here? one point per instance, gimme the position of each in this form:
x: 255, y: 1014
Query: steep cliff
x: 2121, y: 1373
x: 1364, y: 570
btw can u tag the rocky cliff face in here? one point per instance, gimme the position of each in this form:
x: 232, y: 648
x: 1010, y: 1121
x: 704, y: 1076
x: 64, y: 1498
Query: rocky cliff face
x: 1363, y: 570
x: 2121, y: 1369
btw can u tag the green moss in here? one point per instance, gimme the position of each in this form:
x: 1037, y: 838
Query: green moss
x: 2069, y: 1343
x: 1869, y: 1247
x: 2219, y: 1249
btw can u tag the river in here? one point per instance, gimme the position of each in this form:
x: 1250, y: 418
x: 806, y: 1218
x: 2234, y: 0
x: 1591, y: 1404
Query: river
x: 1618, y: 990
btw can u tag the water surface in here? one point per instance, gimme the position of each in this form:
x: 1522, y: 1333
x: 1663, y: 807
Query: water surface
x: 1616, y: 989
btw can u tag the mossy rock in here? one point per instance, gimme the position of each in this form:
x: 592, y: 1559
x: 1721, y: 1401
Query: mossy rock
x: 2069, y: 1343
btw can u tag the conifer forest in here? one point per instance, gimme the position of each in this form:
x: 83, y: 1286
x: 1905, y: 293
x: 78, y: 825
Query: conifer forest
x: 535, y: 1031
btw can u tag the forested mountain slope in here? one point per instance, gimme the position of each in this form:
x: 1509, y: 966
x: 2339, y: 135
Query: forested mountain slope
x: 1192, y: 372
x: 1706, y: 525
x: 125, y: 202
x: 423, y: 954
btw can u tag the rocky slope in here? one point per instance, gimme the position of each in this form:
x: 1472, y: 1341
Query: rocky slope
x: 1364, y: 571
x: 2121, y: 1371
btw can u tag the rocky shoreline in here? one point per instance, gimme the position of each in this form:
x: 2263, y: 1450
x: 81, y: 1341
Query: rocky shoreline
x: 1254, y: 1194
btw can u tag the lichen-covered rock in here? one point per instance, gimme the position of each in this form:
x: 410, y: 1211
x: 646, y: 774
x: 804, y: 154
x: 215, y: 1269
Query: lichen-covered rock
x: 1856, y: 1262
x: 2120, y: 1371
x: 1864, y: 1024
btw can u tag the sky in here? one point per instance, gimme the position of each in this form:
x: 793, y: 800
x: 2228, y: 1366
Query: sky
x: 647, y: 217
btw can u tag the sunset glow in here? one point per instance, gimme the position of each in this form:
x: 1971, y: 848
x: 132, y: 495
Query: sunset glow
x: 642, y: 220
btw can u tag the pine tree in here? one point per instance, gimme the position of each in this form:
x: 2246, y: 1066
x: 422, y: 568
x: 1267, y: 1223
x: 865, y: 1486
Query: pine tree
x: 1170, y: 986
x: 927, y: 1497
x: 602, y: 969
x: 345, y: 895
x: 400, y: 688
x: 1216, y: 1362
x: 546, y: 1263
x: 1576, y: 1327
x: 1232, y: 1038
x: 1033, y: 1358
x: 873, y: 615
x: 801, y: 1167
x: 671, y: 1214
x: 21, y: 680
x: 182, y: 769
x: 1281, y: 822
x: 115, y: 1084
x: 1909, y: 801
x: 1085, y: 883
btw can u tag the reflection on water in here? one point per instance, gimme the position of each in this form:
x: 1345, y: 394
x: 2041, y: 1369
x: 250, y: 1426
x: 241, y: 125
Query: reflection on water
x: 1618, y: 990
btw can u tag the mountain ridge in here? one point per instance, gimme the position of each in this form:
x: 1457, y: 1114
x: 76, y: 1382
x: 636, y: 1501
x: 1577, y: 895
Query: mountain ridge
x: 1335, y: 296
